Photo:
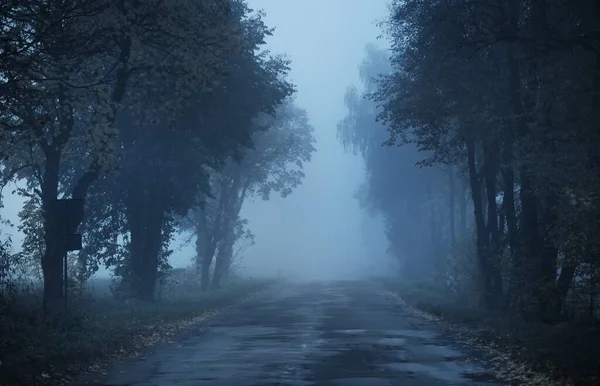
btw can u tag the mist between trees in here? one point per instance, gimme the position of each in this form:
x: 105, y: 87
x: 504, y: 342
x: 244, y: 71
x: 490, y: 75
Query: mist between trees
x: 166, y: 116
x: 480, y: 132
x: 163, y: 115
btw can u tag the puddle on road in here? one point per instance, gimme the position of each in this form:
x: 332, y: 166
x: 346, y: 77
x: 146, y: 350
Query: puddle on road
x: 246, y: 331
x: 412, y: 333
x: 392, y: 342
x: 410, y: 353
x: 361, y: 382
x: 444, y: 371
x: 350, y: 331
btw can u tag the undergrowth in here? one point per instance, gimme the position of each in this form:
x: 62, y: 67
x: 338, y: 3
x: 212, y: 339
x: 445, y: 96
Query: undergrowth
x: 100, y: 330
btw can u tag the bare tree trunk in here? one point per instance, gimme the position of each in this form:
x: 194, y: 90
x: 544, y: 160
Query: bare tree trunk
x: 463, y: 209
x: 205, y: 277
x: 452, y: 198
x: 146, y: 212
x: 52, y: 260
x: 490, y: 175
x: 567, y: 273
x: 223, y: 258
x: 482, y: 233
x: 232, y: 209
x: 200, y: 230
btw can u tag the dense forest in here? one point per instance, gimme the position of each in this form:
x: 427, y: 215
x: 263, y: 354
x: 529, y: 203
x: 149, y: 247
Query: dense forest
x: 163, y: 116
x: 480, y: 132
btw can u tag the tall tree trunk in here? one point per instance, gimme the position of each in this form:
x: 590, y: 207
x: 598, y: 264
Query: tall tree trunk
x: 200, y: 230
x: 482, y: 234
x: 508, y: 205
x: 548, y: 257
x: 232, y: 211
x: 490, y: 170
x: 229, y: 186
x: 208, y: 254
x: 146, y: 211
x: 563, y: 284
x: 52, y: 260
x: 54, y: 233
x: 204, y: 250
x: 153, y: 251
x: 463, y: 202
x: 145, y: 253
x: 525, y: 275
x: 452, y: 205
x: 223, y: 259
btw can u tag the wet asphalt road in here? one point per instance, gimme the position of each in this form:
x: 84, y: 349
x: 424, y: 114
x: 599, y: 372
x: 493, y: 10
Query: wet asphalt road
x: 344, y: 333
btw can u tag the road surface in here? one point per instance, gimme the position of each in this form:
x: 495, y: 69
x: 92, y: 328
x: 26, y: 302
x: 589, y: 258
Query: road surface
x: 343, y: 333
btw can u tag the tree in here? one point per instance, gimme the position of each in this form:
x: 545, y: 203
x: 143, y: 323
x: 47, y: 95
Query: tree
x: 487, y: 87
x: 207, y: 134
x: 280, y: 148
x: 408, y: 196
x: 68, y: 69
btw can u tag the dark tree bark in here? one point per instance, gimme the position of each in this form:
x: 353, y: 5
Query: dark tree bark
x: 563, y: 284
x: 52, y: 260
x: 490, y: 171
x: 508, y: 206
x: 200, y: 230
x: 452, y: 201
x: 232, y: 209
x: 54, y: 225
x: 215, y: 233
x: 146, y: 211
x: 206, y: 263
x: 482, y: 232
x: 463, y: 203
x: 524, y: 273
x: 223, y: 258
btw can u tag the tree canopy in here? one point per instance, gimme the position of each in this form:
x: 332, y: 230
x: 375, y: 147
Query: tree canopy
x: 146, y: 110
x: 480, y: 95
x: 491, y: 101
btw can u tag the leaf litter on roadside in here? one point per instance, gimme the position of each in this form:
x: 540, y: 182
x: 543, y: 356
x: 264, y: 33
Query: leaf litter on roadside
x: 503, y: 365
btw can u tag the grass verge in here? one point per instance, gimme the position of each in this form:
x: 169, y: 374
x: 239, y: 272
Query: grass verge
x: 36, y: 352
x: 524, y: 352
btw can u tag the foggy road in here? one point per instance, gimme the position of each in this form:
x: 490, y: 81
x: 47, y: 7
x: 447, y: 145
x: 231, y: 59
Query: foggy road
x: 343, y: 333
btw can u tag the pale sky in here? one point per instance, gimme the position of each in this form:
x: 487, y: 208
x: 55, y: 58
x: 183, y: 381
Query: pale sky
x: 316, y: 231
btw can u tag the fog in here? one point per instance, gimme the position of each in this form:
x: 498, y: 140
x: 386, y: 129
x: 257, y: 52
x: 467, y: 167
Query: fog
x: 319, y: 231
x: 162, y: 161
x: 316, y: 231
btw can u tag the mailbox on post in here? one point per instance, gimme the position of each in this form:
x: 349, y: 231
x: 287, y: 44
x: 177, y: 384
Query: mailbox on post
x: 74, y: 242
x: 72, y: 209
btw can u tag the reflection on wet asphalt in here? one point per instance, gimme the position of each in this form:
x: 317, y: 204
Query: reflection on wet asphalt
x: 343, y: 333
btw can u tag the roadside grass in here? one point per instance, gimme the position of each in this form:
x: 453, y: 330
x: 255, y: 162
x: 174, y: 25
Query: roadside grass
x: 101, y: 329
x: 526, y: 352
